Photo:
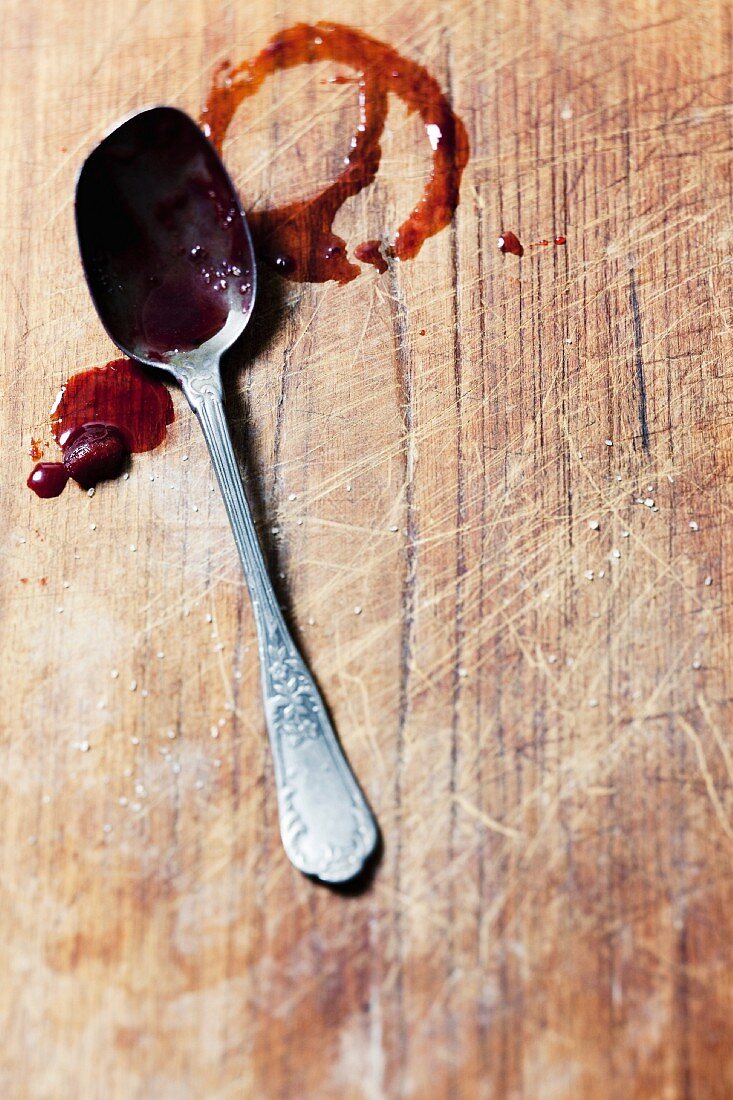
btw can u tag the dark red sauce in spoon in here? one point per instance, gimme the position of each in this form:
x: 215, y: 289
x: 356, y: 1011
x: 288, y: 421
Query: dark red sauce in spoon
x: 164, y: 245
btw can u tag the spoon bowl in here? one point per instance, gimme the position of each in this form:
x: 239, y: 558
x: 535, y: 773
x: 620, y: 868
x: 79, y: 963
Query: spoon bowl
x: 170, y: 266
x: 164, y: 241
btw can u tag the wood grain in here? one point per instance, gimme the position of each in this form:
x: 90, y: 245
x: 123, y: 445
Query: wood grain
x: 529, y: 502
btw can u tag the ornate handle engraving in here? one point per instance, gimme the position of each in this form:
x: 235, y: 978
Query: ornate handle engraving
x: 326, y: 826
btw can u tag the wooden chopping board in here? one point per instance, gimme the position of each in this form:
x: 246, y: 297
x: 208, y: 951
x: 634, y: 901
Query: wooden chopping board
x: 496, y: 495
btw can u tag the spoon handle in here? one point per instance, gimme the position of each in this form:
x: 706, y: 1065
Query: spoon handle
x: 327, y: 828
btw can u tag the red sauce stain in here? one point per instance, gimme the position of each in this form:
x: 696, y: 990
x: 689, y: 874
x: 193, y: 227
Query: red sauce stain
x: 422, y: 331
x: 101, y: 416
x: 510, y: 242
x: 559, y: 240
x: 24, y: 580
x: 297, y: 239
x: 43, y: 581
x: 36, y: 449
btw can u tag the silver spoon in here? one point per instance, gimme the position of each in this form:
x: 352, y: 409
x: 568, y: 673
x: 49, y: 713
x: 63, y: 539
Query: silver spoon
x: 170, y: 266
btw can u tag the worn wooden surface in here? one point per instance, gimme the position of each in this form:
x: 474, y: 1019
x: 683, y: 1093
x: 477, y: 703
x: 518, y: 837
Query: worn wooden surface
x: 537, y: 691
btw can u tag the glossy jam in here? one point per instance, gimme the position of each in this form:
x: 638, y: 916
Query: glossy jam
x: 297, y: 239
x: 164, y: 244
x: 100, y: 416
x: 95, y: 452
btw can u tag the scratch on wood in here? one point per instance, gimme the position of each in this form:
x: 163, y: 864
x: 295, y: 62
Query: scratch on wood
x: 638, y: 344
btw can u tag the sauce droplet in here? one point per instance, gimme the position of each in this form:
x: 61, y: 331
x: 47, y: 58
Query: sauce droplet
x: 510, y: 242
x: 48, y: 479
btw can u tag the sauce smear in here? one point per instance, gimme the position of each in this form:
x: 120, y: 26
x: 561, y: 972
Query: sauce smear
x: 297, y: 239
